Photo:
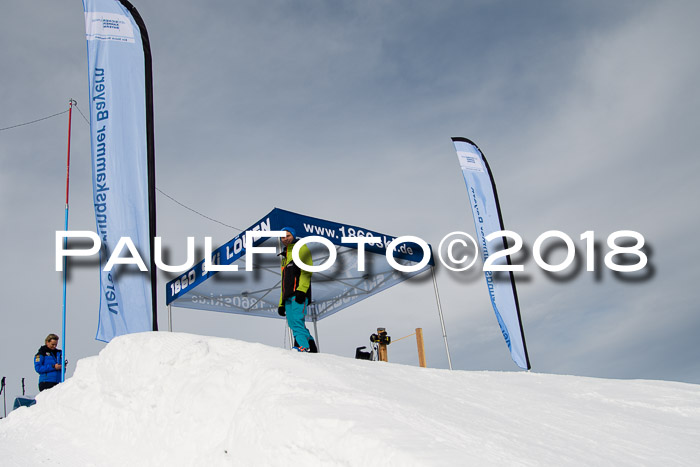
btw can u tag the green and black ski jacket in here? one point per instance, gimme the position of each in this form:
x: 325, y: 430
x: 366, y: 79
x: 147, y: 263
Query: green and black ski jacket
x: 293, y: 277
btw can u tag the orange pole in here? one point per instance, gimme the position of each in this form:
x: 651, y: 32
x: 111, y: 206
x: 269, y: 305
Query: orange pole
x: 421, y: 347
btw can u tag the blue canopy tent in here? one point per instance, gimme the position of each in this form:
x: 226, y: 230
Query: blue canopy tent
x: 257, y: 292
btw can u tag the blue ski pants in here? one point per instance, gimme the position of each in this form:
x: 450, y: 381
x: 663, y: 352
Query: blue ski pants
x: 295, y: 319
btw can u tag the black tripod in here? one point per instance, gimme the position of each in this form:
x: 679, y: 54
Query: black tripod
x: 4, y: 395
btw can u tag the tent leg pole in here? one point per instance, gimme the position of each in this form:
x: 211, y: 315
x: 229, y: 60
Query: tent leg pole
x: 316, y: 335
x: 288, y: 330
x: 170, y: 318
x: 442, y: 320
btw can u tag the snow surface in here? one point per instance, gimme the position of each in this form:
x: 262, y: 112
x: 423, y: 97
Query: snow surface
x: 181, y: 399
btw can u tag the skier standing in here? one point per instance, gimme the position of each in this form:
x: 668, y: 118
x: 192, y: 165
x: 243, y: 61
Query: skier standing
x: 296, y: 292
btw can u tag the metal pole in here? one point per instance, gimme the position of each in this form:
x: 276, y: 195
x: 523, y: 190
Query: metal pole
x: 287, y: 329
x: 442, y: 320
x: 65, y: 246
x: 318, y: 347
x: 170, y: 318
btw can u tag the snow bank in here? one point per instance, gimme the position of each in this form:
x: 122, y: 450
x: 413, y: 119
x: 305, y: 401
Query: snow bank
x: 180, y: 399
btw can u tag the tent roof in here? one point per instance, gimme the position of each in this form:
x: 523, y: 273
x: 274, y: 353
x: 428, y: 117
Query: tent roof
x: 257, y: 293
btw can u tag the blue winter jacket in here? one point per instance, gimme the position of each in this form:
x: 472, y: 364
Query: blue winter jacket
x: 44, y: 362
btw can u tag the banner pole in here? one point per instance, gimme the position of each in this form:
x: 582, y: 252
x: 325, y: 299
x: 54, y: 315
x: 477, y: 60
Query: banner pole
x: 65, y: 245
x: 150, y: 153
x: 442, y: 320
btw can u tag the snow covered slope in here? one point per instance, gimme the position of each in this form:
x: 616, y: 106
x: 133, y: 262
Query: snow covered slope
x: 180, y: 399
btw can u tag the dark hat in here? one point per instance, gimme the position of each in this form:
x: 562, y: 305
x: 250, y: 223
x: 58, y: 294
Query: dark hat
x: 291, y: 231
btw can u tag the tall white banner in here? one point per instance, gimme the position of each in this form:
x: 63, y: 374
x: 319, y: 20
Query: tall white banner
x: 121, y: 132
x: 486, y: 210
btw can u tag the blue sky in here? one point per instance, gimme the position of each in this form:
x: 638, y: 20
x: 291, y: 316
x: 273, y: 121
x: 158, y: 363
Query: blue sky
x: 587, y: 112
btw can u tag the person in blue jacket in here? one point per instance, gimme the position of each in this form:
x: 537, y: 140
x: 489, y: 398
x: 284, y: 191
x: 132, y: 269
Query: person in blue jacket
x: 47, y: 362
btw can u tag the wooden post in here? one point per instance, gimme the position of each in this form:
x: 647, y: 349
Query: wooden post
x: 383, y: 357
x: 381, y: 347
x: 421, y: 347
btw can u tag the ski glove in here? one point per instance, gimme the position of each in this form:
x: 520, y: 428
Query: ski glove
x: 280, y: 311
x: 299, y: 296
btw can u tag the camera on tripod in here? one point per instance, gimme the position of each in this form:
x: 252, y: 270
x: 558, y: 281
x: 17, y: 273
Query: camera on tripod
x: 380, y: 337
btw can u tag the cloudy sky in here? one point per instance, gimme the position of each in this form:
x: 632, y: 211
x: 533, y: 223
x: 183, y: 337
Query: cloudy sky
x: 587, y: 112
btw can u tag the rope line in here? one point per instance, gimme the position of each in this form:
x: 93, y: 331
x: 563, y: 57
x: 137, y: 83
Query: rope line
x: 197, y: 212
x: 403, y: 337
x: 33, y: 121
x: 170, y: 197
x: 75, y: 104
x: 81, y: 113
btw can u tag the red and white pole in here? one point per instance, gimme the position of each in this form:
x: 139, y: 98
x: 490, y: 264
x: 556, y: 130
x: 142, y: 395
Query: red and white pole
x: 65, y: 243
